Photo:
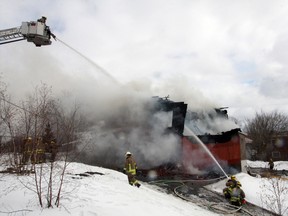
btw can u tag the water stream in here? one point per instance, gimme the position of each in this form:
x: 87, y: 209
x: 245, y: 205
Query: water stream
x: 90, y: 61
x: 191, y: 133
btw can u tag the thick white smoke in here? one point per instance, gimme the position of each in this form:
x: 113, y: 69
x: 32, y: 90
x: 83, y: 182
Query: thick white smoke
x: 119, y: 115
x: 130, y: 124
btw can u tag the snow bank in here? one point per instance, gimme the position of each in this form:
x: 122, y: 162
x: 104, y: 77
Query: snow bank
x: 102, y: 195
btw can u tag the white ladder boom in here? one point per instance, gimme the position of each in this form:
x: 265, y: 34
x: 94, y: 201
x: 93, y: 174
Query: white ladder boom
x: 11, y: 35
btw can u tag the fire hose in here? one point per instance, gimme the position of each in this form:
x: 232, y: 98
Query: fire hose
x: 219, y: 207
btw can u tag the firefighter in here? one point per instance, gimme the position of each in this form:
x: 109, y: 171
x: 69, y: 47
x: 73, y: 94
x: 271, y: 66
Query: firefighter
x: 237, y: 195
x: 227, y: 192
x: 232, y: 181
x: 230, y: 184
x: 271, y: 164
x: 131, y: 169
x: 49, y: 33
x: 42, y: 19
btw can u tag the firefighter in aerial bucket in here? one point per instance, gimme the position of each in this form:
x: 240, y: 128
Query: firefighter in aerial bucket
x: 47, y: 29
x: 131, y: 169
x: 42, y: 19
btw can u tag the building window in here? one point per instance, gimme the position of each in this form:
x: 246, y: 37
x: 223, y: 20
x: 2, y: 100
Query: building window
x: 276, y: 154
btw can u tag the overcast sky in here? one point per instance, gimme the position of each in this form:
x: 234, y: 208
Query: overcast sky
x: 224, y: 53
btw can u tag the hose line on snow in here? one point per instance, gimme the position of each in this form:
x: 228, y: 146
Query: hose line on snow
x: 234, y: 209
x: 228, y: 209
x: 223, y: 208
x: 165, y: 181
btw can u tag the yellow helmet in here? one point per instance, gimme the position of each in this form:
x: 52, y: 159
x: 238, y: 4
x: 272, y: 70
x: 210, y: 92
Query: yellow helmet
x: 233, y: 177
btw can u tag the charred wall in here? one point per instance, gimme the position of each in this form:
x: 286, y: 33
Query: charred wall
x: 178, y: 109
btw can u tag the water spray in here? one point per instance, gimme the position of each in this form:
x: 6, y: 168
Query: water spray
x: 92, y: 62
x: 206, y: 149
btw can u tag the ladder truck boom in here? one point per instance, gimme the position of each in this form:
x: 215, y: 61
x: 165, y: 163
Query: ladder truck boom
x: 35, y: 31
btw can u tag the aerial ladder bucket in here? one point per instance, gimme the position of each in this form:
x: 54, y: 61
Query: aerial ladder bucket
x: 35, y: 31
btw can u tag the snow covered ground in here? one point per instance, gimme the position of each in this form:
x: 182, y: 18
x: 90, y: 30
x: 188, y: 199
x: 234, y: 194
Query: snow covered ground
x: 102, y: 195
x: 110, y: 194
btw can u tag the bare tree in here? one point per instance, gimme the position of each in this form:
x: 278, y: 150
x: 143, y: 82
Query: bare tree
x: 263, y: 127
x: 68, y: 122
x: 35, y: 115
x: 9, y: 118
x: 57, y: 127
x: 2, y: 125
x: 6, y: 116
x: 276, y: 193
x: 46, y: 133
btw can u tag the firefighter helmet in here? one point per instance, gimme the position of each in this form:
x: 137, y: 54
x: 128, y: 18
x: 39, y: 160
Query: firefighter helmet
x: 128, y: 153
x: 233, y: 177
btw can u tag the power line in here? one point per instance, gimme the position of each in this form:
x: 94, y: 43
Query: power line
x: 9, y: 102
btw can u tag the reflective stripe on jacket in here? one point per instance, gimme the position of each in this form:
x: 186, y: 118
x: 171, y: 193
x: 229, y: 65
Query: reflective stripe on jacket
x: 237, y: 194
x: 130, y: 165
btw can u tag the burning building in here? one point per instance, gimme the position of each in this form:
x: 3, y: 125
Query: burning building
x: 205, y: 148
x: 165, y: 137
